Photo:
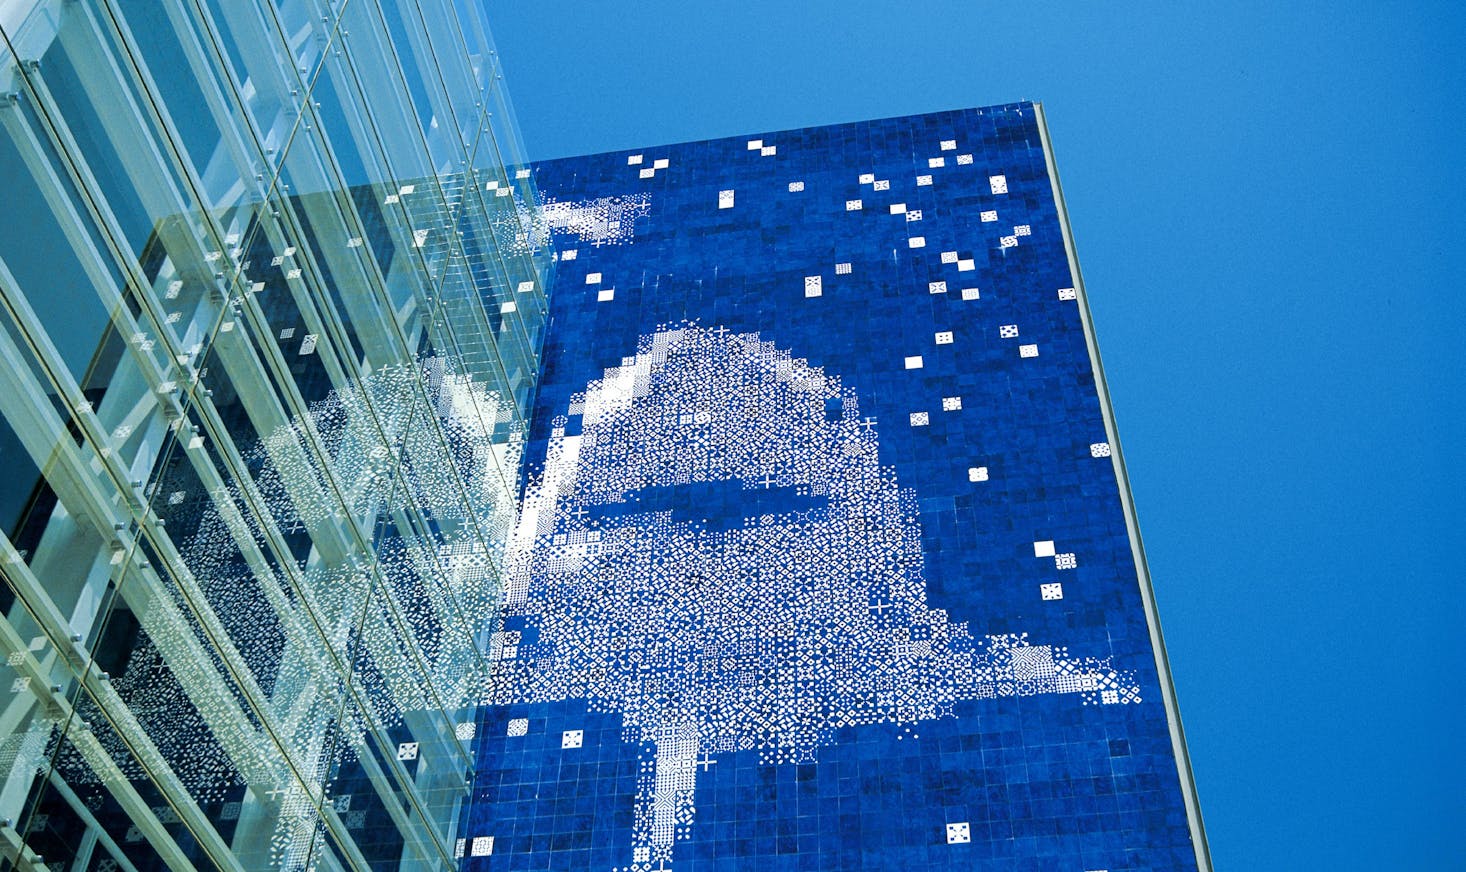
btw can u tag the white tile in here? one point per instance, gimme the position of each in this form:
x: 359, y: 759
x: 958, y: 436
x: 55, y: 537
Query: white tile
x: 648, y: 173
x: 867, y: 178
x: 1008, y: 331
x: 1008, y: 241
x: 935, y: 162
x: 725, y: 199
x: 506, y: 308
x: 1044, y: 548
x: 971, y: 294
x: 769, y: 150
x: 755, y: 144
x: 853, y: 205
x: 407, y: 751
x: 914, y: 362
x: 923, y: 181
x: 1065, y: 561
x: 1051, y: 591
x: 951, y: 404
x: 813, y: 286
x: 959, y: 833
x: 519, y: 727
x: 526, y: 287
x: 842, y: 269
x: 1028, y: 351
x: 920, y: 419
x: 606, y: 295
x: 977, y: 473
x: 660, y: 163
x: 917, y: 242
x: 593, y: 278
x: 1099, y: 449
x: 949, y: 257
x: 949, y: 145
x: 966, y: 265
x: 964, y: 159
x: 1067, y: 294
x: 988, y: 215
x: 936, y: 287
x: 1022, y: 230
x: 483, y: 846
x: 881, y: 185
x: 913, y: 215
x: 796, y: 187
x: 944, y: 337
x: 572, y: 738
x: 998, y: 184
x: 898, y: 208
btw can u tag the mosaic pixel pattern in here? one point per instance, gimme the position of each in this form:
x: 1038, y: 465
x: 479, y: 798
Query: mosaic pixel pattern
x: 821, y: 562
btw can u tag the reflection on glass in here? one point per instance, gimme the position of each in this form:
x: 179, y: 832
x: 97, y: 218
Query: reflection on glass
x: 269, y: 323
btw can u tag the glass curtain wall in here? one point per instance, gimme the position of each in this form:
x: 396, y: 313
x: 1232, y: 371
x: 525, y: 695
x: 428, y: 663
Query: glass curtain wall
x: 270, y: 316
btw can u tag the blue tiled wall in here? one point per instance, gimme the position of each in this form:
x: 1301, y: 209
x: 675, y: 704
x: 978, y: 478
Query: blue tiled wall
x: 1029, y: 778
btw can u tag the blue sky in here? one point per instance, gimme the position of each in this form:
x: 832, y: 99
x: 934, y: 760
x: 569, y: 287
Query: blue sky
x: 1267, y: 203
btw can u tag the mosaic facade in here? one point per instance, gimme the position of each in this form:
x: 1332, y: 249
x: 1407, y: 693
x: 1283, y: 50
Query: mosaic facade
x: 823, y: 559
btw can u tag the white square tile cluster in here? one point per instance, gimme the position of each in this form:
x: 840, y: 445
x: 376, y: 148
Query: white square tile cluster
x: 769, y: 150
x: 407, y: 751
x: 913, y: 215
x: 964, y: 159
x: 465, y: 731
x: 977, y: 473
x: 971, y: 294
x: 920, y: 419
x: 570, y: 254
x: 914, y: 362
x: 483, y: 846
x: 593, y: 278
x: 725, y: 199
x: 959, y: 834
x: 1022, y: 230
x: 949, y: 145
x: 951, y: 404
x: 1067, y: 294
x: 1028, y: 351
x: 1065, y: 561
x: 853, y: 205
x: 881, y: 185
x: 1099, y: 449
x: 519, y: 727
x: 572, y: 738
x: 949, y: 257
x: 842, y: 269
x: 988, y: 215
x: 1008, y: 331
x: 936, y: 287
x: 526, y: 287
x: 647, y: 173
x: 944, y: 337
x: 923, y: 181
x: 813, y: 286
x: 796, y: 187
x: 1051, y: 591
x: 933, y: 163
x: 867, y: 178
x: 1007, y: 241
x: 917, y: 242
x: 998, y: 184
